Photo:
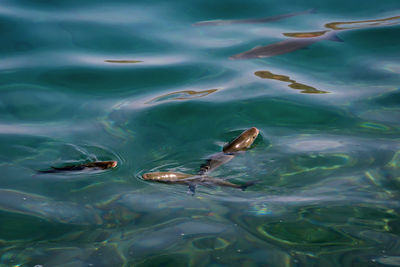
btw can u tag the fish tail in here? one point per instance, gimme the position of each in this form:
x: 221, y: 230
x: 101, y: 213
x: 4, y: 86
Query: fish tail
x: 250, y: 183
x: 192, y: 189
x: 204, y: 168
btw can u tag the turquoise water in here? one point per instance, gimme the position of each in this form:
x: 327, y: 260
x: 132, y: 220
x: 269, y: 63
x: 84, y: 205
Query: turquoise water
x: 137, y: 82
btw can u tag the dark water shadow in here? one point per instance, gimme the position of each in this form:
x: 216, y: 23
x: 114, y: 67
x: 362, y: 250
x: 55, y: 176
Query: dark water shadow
x: 305, y: 89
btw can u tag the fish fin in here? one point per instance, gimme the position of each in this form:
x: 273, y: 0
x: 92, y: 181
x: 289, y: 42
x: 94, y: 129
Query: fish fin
x: 192, y: 189
x: 333, y: 37
x: 250, y: 183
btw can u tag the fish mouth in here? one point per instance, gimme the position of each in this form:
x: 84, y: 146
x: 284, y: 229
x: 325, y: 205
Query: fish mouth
x: 114, y: 164
x: 256, y: 130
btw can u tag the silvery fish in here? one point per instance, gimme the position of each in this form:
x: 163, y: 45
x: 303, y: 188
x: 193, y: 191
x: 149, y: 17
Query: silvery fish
x: 249, y: 21
x: 190, y: 180
x: 285, y: 46
x: 230, y: 150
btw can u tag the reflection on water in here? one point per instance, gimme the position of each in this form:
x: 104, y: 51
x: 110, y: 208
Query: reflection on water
x: 182, y: 95
x: 327, y: 166
x: 248, y: 21
x: 304, y: 233
x: 122, y: 61
x: 305, y: 89
x: 363, y: 23
x: 305, y: 34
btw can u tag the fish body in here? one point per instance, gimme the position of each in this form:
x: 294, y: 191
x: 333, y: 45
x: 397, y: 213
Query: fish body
x: 230, y: 150
x: 242, y: 142
x: 190, y: 179
x: 284, y: 47
x: 215, y: 161
x: 252, y: 21
x: 167, y: 177
x: 97, y: 165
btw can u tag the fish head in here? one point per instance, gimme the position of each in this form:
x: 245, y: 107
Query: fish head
x: 104, y: 164
x: 243, y: 141
x: 110, y: 164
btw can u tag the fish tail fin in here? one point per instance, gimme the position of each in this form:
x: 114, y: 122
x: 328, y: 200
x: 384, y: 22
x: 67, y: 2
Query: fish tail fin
x: 245, y: 185
x: 192, y: 189
x: 332, y: 36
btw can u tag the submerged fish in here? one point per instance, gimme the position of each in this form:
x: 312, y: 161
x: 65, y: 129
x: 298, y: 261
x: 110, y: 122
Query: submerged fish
x: 249, y: 21
x: 285, y: 46
x: 191, y: 180
x: 97, y: 165
x: 230, y: 150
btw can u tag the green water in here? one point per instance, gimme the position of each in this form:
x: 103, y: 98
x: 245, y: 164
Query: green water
x: 137, y: 82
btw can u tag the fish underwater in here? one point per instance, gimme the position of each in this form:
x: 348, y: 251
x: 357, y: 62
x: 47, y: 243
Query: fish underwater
x: 229, y: 151
x: 191, y: 180
x: 286, y: 46
x: 302, y: 40
x: 250, y: 21
x: 97, y: 165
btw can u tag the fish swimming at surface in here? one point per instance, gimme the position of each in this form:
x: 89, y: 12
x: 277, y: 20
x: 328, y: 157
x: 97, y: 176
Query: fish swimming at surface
x: 285, y: 46
x: 191, y: 180
x: 249, y: 21
x: 97, y: 165
x: 230, y: 150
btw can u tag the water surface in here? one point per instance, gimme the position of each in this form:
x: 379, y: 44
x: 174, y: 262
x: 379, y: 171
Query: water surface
x: 143, y: 84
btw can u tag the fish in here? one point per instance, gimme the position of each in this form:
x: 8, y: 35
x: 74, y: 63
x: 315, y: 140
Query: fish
x: 251, y: 21
x: 191, y: 180
x: 285, y: 46
x: 97, y: 165
x: 230, y: 150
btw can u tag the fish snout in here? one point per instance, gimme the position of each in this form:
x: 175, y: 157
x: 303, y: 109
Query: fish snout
x: 146, y: 176
x: 255, y: 130
x: 114, y: 164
